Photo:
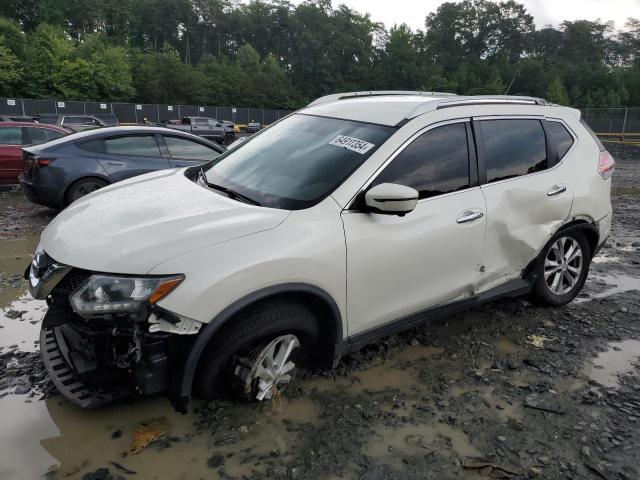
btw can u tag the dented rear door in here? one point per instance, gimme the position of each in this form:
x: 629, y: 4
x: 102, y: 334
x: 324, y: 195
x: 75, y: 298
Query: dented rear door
x: 527, y: 196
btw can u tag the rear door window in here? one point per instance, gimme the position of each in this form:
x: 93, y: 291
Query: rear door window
x: 513, y: 147
x: 37, y: 135
x: 435, y: 163
x: 185, y: 149
x: 138, y: 145
x: 10, y: 136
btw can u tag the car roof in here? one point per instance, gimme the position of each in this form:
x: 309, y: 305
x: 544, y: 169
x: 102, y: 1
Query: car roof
x: 394, y: 108
x: 34, y: 125
x: 107, y: 131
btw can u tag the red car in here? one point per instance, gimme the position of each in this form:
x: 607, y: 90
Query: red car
x: 15, y: 135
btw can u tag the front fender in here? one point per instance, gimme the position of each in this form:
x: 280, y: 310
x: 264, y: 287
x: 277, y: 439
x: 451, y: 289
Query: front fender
x: 184, y: 380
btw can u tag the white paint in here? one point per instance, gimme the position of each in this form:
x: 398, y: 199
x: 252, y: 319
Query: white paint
x: 389, y: 266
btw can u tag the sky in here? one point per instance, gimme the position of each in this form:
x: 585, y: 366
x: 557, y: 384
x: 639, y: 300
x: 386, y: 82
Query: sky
x: 413, y: 12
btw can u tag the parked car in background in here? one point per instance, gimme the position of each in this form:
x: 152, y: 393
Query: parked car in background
x: 15, y: 135
x: 109, y: 119
x: 17, y: 118
x: 77, y: 123
x: 64, y: 170
x: 231, y: 126
x: 205, y: 127
x: 253, y: 127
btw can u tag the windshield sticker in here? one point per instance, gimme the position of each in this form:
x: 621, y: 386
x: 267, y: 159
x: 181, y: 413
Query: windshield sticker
x: 353, y: 144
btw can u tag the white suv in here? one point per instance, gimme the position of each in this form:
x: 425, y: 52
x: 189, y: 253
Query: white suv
x: 355, y: 217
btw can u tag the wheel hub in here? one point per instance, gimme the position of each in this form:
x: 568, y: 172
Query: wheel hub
x: 271, y: 367
x: 563, y: 265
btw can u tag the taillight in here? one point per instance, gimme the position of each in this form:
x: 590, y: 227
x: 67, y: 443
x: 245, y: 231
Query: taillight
x: 43, y: 162
x: 606, y: 165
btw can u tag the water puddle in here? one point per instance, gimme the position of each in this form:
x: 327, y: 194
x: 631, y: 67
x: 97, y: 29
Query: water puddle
x: 605, y: 258
x: 57, y: 437
x: 375, y: 379
x: 392, y: 444
x: 613, y: 284
x: 21, y: 332
x: 618, y: 359
x: 19, y: 313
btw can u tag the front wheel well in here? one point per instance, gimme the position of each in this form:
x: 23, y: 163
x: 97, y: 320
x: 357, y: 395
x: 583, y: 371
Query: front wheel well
x: 328, y: 326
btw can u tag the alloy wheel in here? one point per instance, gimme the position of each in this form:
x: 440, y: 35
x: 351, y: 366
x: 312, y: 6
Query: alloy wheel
x: 271, y: 368
x: 563, y: 265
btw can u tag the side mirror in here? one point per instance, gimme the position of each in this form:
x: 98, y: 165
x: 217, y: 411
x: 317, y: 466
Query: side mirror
x: 218, y: 124
x: 391, y: 199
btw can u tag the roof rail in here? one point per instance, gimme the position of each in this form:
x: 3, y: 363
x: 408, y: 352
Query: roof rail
x: 492, y: 100
x: 373, y: 93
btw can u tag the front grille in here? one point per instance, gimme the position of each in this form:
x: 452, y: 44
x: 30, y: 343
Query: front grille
x: 71, y: 281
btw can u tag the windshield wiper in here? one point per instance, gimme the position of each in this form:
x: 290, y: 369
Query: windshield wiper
x: 202, y: 180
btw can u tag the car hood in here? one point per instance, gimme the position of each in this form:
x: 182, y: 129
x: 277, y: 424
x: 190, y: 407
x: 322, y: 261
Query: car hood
x: 132, y: 226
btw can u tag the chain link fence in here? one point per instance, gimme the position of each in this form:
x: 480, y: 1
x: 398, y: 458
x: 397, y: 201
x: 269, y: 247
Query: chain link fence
x: 138, y: 112
x: 614, y: 124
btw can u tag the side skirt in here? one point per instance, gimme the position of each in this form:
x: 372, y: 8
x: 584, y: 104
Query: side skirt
x: 512, y: 288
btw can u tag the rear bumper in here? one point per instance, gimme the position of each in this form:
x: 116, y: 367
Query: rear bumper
x: 37, y: 194
x: 604, y: 230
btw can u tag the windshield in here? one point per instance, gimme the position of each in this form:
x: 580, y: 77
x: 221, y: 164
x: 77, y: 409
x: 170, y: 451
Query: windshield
x: 298, y: 161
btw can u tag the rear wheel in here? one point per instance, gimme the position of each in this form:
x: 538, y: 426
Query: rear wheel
x: 255, y: 356
x: 84, y: 187
x: 562, y: 269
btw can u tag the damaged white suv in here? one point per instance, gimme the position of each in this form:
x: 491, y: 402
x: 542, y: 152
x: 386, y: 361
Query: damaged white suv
x: 355, y: 217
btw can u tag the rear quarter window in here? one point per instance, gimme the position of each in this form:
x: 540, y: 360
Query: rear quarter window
x: 559, y: 138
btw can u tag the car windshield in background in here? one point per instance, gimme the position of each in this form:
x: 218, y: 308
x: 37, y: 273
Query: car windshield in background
x: 298, y: 161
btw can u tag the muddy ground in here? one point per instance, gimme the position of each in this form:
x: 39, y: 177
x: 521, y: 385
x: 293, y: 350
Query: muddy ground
x: 504, y: 391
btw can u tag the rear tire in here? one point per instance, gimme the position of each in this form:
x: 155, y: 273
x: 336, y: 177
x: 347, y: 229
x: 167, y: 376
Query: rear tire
x: 240, y: 344
x: 561, y: 269
x: 83, y: 187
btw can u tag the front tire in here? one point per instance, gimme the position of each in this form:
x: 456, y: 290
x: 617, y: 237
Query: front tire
x: 561, y: 269
x: 255, y: 355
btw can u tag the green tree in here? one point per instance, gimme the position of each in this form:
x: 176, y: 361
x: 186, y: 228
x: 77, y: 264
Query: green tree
x: 556, y: 93
x: 10, y: 72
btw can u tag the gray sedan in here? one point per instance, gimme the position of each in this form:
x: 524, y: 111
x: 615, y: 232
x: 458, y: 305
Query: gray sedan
x: 59, y: 172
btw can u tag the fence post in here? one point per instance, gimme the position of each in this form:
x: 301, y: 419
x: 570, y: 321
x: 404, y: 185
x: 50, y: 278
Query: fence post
x: 624, y: 124
x: 22, y: 102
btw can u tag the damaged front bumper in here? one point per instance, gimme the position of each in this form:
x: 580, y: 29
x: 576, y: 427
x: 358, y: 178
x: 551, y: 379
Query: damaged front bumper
x: 94, y: 361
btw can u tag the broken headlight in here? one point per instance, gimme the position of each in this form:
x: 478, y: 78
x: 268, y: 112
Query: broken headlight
x: 102, y: 294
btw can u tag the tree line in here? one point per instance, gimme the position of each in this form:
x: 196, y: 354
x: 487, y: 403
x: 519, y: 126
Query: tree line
x: 273, y: 54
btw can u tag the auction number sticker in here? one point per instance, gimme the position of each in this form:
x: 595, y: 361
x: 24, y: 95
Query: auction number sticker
x: 353, y: 144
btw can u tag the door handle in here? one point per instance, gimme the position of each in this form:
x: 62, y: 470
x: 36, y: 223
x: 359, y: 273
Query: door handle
x: 469, y: 217
x: 557, y: 190
x: 115, y: 164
